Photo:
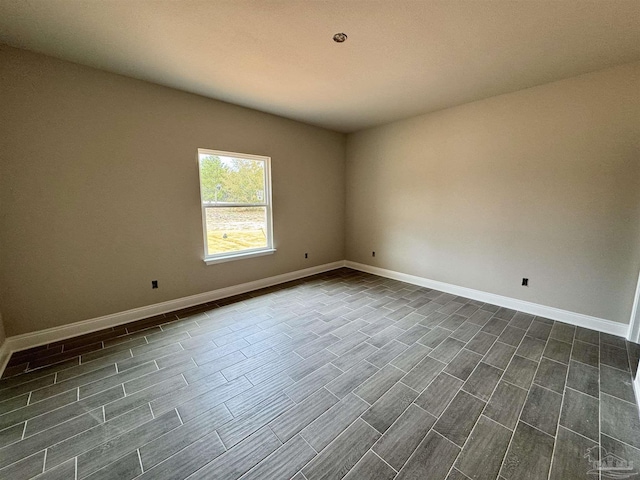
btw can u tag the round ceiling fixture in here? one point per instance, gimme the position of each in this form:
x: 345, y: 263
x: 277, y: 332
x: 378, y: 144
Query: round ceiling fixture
x: 339, y: 37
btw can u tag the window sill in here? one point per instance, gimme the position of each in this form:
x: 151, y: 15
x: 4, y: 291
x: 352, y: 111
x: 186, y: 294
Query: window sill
x: 239, y: 256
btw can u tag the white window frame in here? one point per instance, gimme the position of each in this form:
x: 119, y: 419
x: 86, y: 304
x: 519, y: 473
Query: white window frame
x: 210, y: 259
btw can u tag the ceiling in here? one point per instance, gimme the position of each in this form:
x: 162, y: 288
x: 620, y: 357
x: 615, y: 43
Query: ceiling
x: 402, y: 57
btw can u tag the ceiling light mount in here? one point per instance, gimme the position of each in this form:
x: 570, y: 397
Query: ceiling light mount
x: 339, y: 37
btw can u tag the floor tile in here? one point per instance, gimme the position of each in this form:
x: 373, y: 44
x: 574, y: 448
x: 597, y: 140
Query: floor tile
x: 551, y: 375
x: 588, y: 336
x: 347, y: 343
x: 563, y: 332
x: 531, y: 348
x: 386, y: 354
x: 389, y: 407
x: 481, y: 343
x: 284, y: 462
x: 463, y: 364
x: 495, y: 326
x: 229, y: 465
x: 586, y: 353
x: 580, y: 413
x: 353, y: 356
x: 584, y: 378
x: 506, y: 404
x: 98, y: 457
x: 379, y: 340
x: 239, y: 399
x: 163, y: 447
x: 480, y: 317
x: 617, y: 383
x: 97, y: 435
x: 435, y: 337
x: 371, y: 467
x: 529, y: 455
x: 19, y: 415
x: 351, y: 379
x: 453, y: 322
x: 333, y: 422
x: 372, y: 389
x: 571, y: 458
x: 402, y: 438
x: 499, y: 355
x: 542, y: 409
x: 558, y: 350
x: 482, y: 455
x: 310, y: 364
x: 11, y: 435
x: 72, y: 410
x: 343, y: 454
x: 432, y: 459
x: 458, y: 419
x: 301, y: 415
x: 512, y: 336
x: 64, y: 471
x: 520, y: 371
x: 447, y: 350
x: 26, y: 468
x: 439, y: 393
x: 309, y: 384
x: 423, y: 373
x: 521, y: 320
x: 482, y: 381
x: 236, y: 430
x: 410, y: 357
x: 126, y: 467
x: 505, y: 313
x: 40, y: 441
x: 539, y: 330
x: 620, y: 420
x: 614, y: 357
x: 629, y: 456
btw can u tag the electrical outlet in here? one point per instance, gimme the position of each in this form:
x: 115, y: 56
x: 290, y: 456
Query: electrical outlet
x: 154, y: 283
x: 306, y: 255
x: 525, y: 282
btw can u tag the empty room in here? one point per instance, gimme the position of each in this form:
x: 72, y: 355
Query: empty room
x: 316, y: 240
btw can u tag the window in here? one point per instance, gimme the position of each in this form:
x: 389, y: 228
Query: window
x: 235, y: 192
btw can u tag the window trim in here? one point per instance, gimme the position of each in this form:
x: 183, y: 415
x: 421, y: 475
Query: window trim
x: 267, y: 204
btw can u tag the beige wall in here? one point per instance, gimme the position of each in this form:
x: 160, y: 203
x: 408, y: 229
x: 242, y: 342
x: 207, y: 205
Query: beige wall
x: 99, y: 192
x: 543, y: 183
x: 2, y: 334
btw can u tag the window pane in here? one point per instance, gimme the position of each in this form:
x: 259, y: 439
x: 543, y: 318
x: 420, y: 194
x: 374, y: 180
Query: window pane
x: 231, y: 180
x: 235, y: 229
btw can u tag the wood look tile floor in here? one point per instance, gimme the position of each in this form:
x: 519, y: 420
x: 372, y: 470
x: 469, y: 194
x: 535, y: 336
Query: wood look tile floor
x: 340, y: 375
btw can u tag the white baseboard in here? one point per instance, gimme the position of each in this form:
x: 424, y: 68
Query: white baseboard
x: 594, y: 323
x: 5, y: 354
x: 50, y: 335
x: 636, y: 388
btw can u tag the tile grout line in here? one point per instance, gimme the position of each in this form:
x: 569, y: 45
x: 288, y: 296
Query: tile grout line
x: 140, y: 460
x: 442, y: 413
x: 372, y: 451
x: 555, y: 439
x: 495, y: 388
x: 486, y: 404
